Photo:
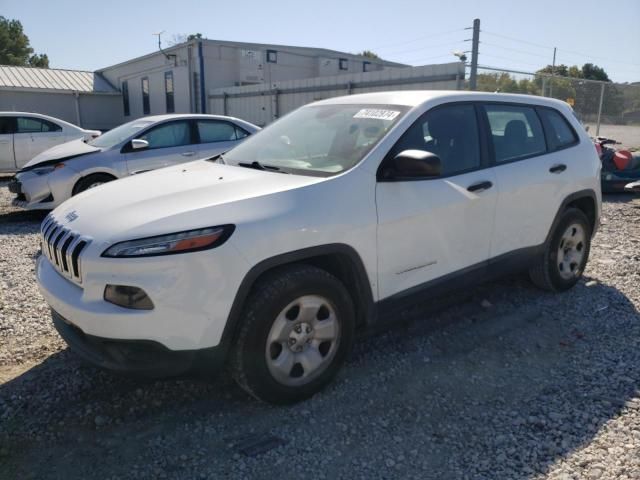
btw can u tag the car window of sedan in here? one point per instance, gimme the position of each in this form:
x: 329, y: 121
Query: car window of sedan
x: 7, y: 125
x: 36, y: 125
x: 174, y: 134
x: 214, y: 131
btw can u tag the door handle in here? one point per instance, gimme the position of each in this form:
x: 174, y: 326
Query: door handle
x: 188, y: 154
x: 558, y: 168
x: 479, y: 187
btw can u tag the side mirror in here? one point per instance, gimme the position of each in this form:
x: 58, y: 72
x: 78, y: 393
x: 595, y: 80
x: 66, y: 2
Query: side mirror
x: 139, y: 144
x: 416, y: 164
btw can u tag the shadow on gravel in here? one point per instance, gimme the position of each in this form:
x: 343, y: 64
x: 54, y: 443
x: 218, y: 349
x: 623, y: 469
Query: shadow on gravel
x: 32, y: 216
x: 500, y: 391
x: 621, y: 197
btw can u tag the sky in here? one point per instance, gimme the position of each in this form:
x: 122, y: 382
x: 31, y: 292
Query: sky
x: 515, y: 35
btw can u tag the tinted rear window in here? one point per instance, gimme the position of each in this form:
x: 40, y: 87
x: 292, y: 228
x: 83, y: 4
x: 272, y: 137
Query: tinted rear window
x: 560, y: 133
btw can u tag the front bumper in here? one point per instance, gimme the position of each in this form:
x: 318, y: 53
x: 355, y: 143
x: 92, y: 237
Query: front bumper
x: 138, y: 358
x: 192, y: 294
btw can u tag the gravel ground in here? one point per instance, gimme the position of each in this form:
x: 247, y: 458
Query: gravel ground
x: 508, y: 382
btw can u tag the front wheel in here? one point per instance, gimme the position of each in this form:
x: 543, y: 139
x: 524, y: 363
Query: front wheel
x: 91, y: 181
x: 565, y: 255
x: 296, y: 331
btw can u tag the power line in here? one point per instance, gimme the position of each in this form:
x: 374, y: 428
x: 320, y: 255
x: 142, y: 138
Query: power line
x: 515, y: 50
x: 537, y: 65
x: 423, y: 37
x: 452, y: 43
x: 560, y: 50
x: 422, y: 59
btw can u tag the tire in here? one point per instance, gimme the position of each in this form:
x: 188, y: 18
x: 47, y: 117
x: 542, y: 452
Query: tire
x: 286, y: 326
x: 555, y: 271
x: 91, y: 181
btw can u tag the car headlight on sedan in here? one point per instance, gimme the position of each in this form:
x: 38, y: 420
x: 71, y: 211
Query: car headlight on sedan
x: 48, y: 169
x: 181, y: 242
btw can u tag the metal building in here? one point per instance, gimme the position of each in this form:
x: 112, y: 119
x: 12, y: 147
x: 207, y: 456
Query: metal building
x: 178, y: 79
x: 84, y: 98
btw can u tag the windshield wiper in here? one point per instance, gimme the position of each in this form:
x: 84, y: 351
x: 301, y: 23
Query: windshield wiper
x: 259, y: 166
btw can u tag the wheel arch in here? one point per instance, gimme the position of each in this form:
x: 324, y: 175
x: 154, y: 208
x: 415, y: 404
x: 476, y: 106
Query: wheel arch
x: 338, y: 259
x: 584, y: 200
x: 106, y: 172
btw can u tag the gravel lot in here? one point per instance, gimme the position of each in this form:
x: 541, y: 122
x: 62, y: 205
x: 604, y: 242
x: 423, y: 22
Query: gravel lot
x: 507, y: 383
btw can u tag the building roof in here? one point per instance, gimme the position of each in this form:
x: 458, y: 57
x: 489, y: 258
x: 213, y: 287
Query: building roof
x: 309, y: 51
x: 53, y: 79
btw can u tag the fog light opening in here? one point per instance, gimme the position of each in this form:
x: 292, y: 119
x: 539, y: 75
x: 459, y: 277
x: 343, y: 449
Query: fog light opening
x: 128, y: 297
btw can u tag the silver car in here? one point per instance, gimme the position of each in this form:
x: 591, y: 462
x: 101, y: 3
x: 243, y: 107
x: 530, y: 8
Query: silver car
x: 135, y: 147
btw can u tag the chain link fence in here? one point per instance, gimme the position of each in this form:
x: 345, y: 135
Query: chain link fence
x: 608, y: 109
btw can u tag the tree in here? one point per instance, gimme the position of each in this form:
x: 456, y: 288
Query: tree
x: 369, y: 54
x: 15, y: 48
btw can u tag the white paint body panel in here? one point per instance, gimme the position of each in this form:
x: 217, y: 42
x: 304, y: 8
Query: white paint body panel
x: 21, y: 148
x: 393, y: 227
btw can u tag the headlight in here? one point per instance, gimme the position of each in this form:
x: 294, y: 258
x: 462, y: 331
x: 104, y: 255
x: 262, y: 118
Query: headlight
x: 181, y: 242
x: 48, y: 169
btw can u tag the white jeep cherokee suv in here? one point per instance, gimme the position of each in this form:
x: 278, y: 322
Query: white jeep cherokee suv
x: 336, y: 217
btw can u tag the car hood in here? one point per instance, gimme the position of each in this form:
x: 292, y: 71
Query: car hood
x: 188, y: 196
x: 63, y: 151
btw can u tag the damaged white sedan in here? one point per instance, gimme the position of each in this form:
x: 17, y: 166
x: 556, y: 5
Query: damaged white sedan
x: 141, y: 145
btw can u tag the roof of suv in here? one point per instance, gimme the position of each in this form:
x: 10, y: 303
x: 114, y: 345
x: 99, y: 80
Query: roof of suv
x: 414, y: 98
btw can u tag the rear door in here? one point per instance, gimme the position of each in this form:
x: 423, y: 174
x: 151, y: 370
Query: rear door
x: 432, y: 227
x: 33, y: 136
x: 217, y: 136
x: 170, y: 143
x: 7, y: 158
x: 529, y: 190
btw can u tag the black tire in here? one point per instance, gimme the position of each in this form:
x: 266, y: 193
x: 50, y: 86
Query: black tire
x: 270, y: 296
x: 545, y: 273
x: 90, y: 181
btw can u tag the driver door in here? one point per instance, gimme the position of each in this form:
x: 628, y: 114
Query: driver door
x: 431, y: 227
x: 170, y: 143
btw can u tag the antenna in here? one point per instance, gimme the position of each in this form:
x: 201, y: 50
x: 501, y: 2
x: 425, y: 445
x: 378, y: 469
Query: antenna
x: 159, y: 35
x: 168, y: 56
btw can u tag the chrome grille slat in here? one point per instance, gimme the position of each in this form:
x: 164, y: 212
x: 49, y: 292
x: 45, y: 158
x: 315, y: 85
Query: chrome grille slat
x: 63, y: 247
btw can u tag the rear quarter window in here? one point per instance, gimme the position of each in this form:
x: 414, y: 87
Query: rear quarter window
x: 560, y: 134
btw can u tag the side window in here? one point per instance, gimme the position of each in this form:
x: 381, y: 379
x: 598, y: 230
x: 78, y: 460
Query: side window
x: 6, y: 125
x: 450, y: 132
x: 516, y: 132
x: 48, y: 126
x: 212, y: 131
x: 241, y: 133
x: 559, y: 132
x: 29, y: 125
x: 174, y: 134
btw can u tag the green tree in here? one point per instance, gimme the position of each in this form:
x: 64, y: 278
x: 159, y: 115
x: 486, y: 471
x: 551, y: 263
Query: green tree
x: 369, y: 54
x: 15, y: 48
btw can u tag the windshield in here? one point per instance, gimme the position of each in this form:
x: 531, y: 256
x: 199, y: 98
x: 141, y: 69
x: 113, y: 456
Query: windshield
x: 318, y: 140
x: 119, y: 134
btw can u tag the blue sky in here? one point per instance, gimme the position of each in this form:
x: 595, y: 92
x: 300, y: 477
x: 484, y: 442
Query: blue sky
x: 518, y: 35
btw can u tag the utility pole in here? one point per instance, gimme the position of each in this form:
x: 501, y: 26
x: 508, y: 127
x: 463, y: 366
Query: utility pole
x: 475, y: 43
x: 553, y: 72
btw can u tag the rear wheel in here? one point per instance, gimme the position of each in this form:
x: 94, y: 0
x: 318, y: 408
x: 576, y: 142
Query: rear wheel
x: 297, y: 330
x: 91, y: 181
x: 566, y: 255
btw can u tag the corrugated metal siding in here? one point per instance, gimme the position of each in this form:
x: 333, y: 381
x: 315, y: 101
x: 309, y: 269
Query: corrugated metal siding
x: 263, y: 103
x: 52, y: 79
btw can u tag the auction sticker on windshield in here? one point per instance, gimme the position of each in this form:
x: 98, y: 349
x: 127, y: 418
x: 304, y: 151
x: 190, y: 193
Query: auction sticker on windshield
x: 377, y: 113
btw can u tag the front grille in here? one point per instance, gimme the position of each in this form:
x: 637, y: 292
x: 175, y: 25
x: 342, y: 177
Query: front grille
x: 63, y: 247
